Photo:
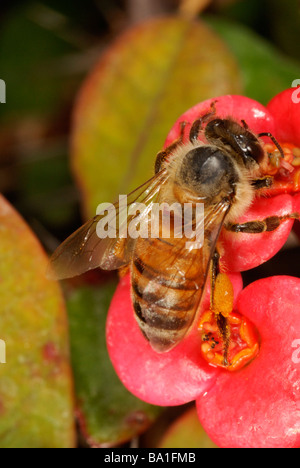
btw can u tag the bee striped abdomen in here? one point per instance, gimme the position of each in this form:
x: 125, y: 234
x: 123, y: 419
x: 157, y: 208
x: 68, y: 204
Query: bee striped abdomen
x: 167, y: 285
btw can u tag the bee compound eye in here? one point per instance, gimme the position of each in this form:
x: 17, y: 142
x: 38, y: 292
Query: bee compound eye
x: 256, y: 152
x: 249, y: 148
x: 205, y: 167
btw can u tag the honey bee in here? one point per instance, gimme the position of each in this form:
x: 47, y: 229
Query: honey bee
x: 222, y: 171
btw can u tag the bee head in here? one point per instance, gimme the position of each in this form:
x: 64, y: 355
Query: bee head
x: 207, y: 171
x: 238, y: 139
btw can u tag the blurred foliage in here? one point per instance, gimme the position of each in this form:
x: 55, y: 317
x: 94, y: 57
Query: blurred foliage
x: 284, y: 25
x: 31, y: 58
x: 47, y: 49
x: 191, y: 8
x: 134, y: 95
x: 265, y: 71
x: 276, y: 20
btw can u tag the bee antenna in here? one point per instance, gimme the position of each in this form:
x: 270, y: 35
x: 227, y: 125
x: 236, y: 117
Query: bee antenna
x: 245, y: 125
x: 268, y: 134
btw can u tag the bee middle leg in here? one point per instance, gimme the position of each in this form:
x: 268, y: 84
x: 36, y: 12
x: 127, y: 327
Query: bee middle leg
x: 269, y: 224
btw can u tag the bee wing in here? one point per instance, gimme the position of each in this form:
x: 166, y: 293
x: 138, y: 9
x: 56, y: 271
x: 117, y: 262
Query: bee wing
x: 103, y: 241
x: 180, y: 283
x: 211, y: 224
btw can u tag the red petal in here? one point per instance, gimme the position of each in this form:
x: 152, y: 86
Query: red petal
x: 259, y: 406
x: 246, y: 251
x: 167, y: 379
x: 296, y: 199
x: 285, y: 107
x: 240, y: 107
x: 297, y: 208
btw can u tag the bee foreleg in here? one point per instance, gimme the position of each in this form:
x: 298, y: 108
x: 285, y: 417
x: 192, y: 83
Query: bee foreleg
x: 265, y: 225
x: 163, y: 155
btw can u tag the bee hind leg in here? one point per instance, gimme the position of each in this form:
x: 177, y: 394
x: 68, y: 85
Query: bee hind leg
x: 224, y: 330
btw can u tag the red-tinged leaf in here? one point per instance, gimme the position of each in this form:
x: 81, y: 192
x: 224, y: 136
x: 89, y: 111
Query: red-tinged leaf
x: 144, y: 81
x: 36, y: 390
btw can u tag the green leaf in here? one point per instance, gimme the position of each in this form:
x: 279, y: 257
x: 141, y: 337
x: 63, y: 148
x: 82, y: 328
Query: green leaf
x: 266, y: 72
x: 36, y: 390
x: 248, y: 12
x: 44, y: 180
x: 145, y: 81
x: 186, y: 432
x: 108, y: 414
x: 32, y: 58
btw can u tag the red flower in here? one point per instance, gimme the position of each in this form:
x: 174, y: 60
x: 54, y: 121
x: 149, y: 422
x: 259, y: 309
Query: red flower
x: 258, y: 406
x: 285, y: 109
